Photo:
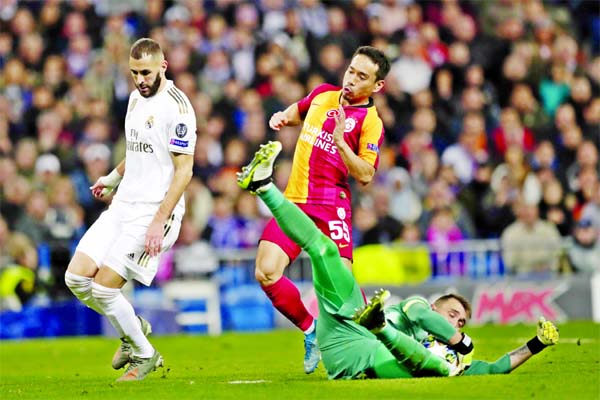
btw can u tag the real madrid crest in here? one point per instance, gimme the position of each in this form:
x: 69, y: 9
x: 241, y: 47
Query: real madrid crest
x: 150, y: 122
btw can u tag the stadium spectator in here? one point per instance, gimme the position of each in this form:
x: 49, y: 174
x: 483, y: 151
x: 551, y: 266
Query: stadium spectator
x: 18, y: 278
x: 583, y: 247
x: 405, y: 204
x: 15, y: 196
x: 553, y: 207
x: 544, y: 162
x: 33, y: 222
x: 530, y: 245
x: 588, y: 184
x: 322, y: 189
x: 470, y: 148
x: 96, y: 163
x: 515, y: 171
x: 586, y: 156
x: 529, y: 109
x: 440, y: 196
x: 512, y: 132
x: 591, y: 116
x: 411, y: 70
x: 387, y: 229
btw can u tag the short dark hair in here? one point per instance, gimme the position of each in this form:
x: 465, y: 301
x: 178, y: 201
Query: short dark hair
x: 463, y: 301
x: 378, y: 58
x: 145, y: 46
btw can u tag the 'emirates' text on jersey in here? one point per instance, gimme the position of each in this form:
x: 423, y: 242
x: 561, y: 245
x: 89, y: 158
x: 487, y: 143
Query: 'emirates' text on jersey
x: 319, y: 173
x: 154, y: 127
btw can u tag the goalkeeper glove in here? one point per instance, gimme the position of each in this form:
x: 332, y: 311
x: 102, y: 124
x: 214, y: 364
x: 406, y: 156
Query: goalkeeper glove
x: 546, y: 335
x: 110, y: 182
x: 465, y: 346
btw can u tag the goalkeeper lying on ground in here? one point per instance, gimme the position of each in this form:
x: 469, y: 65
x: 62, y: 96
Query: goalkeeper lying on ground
x: 361, y: 344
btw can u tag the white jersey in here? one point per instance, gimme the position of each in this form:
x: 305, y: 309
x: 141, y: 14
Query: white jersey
x: 155, y: 127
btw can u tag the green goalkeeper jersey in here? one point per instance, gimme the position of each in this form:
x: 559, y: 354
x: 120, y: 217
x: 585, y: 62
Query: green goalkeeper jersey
x: 414, y: 317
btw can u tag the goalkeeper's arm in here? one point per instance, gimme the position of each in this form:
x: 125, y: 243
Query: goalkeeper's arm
x: 108, y: 183
x: 546, y: 335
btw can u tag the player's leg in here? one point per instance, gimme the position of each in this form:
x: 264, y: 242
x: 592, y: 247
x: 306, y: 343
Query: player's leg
x: 333, y: 281
x: 410, y: 354
x: 128, y: 260
x: 136, y: 348
x: 271, y: 260
x: 79, y: 277
x: 88, y: 256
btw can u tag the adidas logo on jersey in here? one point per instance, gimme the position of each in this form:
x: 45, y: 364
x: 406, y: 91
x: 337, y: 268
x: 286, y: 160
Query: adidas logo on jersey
x: 131, y: 256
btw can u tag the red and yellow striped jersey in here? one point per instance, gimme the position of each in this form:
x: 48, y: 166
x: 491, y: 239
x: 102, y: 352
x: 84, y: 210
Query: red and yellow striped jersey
x: 319, y: 175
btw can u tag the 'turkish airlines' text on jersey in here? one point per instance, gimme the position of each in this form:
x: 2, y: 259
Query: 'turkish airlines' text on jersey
x: 155, y: 127
x: 319, y: 175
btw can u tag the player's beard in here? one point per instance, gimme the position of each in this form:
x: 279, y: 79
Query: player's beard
x: 153, y: 88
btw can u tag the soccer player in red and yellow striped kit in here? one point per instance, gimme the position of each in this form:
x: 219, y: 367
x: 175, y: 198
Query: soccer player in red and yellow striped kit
x: 323, y: 160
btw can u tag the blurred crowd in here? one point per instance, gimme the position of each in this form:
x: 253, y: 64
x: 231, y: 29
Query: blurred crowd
x: 491, y: 111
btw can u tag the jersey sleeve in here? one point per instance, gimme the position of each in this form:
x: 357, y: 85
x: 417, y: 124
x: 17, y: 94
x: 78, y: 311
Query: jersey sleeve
x: 500, y: 366
x: 304, y: 104
x: 419, y: 312
x: 181, y: 131
x: 371, y: 138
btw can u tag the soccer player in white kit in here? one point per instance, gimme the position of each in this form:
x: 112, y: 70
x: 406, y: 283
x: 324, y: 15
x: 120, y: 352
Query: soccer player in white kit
x: 144, y: 217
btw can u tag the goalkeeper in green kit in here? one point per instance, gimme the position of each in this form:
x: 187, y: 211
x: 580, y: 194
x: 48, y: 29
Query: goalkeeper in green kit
x: 358, y: 340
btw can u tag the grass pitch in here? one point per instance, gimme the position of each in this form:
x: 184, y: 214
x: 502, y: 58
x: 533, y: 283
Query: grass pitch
x: 269, y: 366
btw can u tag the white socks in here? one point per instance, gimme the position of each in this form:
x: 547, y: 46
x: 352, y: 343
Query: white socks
x: 122, y: 317
x: 81, y: 287
x: 311, y: 328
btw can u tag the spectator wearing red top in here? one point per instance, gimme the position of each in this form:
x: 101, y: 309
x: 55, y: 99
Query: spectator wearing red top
x: 512, y: 132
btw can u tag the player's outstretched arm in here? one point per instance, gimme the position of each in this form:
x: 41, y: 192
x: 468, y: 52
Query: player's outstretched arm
x: 288, y: 117
x: 546, y: 335
x: 108, y: 183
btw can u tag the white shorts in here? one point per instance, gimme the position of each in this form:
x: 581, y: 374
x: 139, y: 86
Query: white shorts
x: 117, y: 239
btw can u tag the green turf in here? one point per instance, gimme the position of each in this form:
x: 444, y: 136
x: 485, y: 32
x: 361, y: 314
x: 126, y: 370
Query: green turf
x: 200, y: 367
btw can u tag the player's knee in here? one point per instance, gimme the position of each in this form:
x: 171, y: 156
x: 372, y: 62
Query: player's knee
x: 268, y: 270
x: 103, y: 294
x: 77, y: 283
x: 82, y: 265
x: 267, y: 276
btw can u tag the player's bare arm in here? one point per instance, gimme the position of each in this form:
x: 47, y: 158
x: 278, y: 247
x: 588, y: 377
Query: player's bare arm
x: 106, y: 184
x: 183, y: 164
x: 288, y: 117
x: 358, y: 168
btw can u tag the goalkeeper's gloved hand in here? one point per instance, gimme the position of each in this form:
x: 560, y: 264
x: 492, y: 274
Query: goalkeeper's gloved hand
x: 547, y: 332
x: 546, y: 335
x: 465, y: 346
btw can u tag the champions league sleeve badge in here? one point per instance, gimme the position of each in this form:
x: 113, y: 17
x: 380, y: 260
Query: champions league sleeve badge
x: 180, y: 130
